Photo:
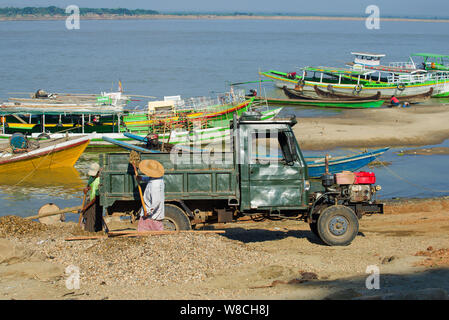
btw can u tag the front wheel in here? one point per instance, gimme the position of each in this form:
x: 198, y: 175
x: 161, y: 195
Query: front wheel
x: 175, y: 218
x: 337, y: 225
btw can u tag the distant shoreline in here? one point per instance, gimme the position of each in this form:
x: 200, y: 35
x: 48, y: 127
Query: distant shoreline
x: 211, y: 17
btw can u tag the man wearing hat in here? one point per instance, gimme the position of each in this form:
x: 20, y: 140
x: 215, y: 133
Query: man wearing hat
x: 153, y: 197
x: 93, y: 212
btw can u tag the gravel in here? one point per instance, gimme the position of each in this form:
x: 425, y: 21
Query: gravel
x: 153, y: 260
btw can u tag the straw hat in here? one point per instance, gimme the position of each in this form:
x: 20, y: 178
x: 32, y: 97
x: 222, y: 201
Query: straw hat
x: 151, y: 168
x: 93, y: 170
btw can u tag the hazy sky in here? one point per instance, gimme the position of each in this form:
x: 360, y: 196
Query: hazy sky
x: 388, y: 7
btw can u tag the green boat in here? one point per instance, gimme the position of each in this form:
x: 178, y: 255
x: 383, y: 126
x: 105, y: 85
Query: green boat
x: 364, y: 104
x: 366, y: 76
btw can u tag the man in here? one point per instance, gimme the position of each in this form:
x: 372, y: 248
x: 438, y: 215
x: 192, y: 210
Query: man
x: 394, y: 101
x: 93, y: 212
x: 152, y: 141
x: 151, y: 216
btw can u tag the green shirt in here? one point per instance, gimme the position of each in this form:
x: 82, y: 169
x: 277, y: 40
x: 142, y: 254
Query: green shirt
x: 94, y: 184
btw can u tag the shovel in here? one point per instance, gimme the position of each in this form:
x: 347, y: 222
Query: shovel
x: 134, y: 159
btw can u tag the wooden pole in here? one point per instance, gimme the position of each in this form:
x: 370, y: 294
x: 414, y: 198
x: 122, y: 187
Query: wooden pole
x: 65, y: 210
x: 80, y: 219
x: 134, y: 232
x: 126, y: 234
x: 140, y: 191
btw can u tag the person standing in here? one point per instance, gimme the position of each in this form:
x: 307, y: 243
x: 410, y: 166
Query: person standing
x: 153, y: 197
x: 93, y: 212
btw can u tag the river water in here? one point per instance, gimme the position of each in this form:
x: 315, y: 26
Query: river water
x: 197, y: 58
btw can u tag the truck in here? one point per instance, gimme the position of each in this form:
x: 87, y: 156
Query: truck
x: 262, y: 173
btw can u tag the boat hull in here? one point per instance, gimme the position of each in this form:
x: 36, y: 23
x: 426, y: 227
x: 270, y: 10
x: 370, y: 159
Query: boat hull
x: 364, y: 104
x: 58, y: 156
x: 317, y: 168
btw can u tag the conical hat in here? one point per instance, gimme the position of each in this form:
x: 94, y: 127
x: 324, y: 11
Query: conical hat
x: 151, y: 168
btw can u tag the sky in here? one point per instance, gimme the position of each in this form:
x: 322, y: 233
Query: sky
x: 428, y: 8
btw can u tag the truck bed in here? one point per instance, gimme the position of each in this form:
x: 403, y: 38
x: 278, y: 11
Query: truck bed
x: 189, y: 179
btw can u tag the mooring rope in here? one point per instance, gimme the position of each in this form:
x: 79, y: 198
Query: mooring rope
x: 37, y: 167
x: 409, y: 182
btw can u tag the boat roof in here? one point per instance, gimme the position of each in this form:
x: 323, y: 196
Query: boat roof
x: 332, y: 70
x: 368, y: 54
x: 4, y: 110
x: 430, y: 55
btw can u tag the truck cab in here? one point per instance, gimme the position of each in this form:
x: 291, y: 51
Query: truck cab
x: 272, y: 169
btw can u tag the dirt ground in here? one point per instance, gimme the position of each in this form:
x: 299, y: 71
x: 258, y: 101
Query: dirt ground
x: 418, y: 125
x: 252, y: 260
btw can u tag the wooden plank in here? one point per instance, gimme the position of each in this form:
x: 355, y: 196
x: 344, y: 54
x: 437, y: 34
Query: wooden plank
x: 113, y: 233
x: 126, y: 234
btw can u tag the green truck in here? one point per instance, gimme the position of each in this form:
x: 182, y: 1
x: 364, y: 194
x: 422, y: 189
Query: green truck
x: 262, y: 173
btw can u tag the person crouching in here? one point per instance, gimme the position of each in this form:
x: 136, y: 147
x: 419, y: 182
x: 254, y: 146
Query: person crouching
x: 153, y: 196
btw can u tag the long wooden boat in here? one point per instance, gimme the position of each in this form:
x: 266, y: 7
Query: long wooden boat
x: 337, y: 96
x: 416, y: 98
x: 316, y: 166
x: 350, y: 104
x: 54, y: 153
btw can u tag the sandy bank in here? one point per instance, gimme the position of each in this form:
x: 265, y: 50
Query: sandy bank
x: 253, y: 260
x: 214, y: 17
x: 414, y: 126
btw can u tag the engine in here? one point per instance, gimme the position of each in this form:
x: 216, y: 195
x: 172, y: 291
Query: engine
x: 351, y: 187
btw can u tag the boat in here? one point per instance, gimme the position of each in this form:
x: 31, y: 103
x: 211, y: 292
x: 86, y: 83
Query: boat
x: 348, y: 104
x: 365, y: 79
x: 416, y: 98
x: 24, y: 155
x: 146, y: 123
x: 317, y: 166
x: 335, y: 96
x: 185, y: 123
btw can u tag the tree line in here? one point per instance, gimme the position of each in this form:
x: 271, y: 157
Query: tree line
x: 55, y: 11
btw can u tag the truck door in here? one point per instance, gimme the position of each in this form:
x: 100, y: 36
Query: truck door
x: 276, y: 170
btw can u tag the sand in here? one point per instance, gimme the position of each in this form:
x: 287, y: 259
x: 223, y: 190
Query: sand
x: 361, y: 128
x: 254, y: 260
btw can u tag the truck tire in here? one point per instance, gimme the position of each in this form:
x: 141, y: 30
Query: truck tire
x: 337, y: 225
x: 175, y: 218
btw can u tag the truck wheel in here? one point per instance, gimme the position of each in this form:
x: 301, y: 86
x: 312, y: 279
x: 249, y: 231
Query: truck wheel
x: 175, y: 218
x: 337, y: 225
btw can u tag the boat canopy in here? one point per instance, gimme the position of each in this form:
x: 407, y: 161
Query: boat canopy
x: 429, y: 55
x: 19, y: 111
x: 338, y: 71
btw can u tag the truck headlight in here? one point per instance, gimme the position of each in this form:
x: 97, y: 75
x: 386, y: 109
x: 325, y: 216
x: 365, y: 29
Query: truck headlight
x: 378, y: 188
x: 306, y: 185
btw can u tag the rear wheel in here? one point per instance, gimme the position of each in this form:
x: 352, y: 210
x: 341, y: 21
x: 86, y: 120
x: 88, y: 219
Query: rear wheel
x: 337, y: 225
x: 175, y: 218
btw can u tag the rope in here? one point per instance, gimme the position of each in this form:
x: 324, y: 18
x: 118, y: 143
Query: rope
x: 409, y: 182
x: 37, y: 167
